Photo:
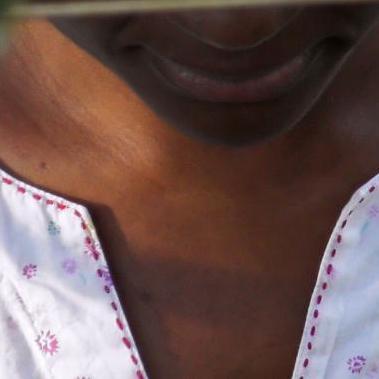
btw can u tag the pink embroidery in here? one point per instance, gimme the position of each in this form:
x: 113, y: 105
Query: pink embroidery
x: 47, y: 342
x: 29, y: 271
x: 113, y: 305
x: 69, y: 265
x: 91, y: 249
x: 104, y: 273
x: 37, y: 197
x: 7, y: 181
x: 61, y: 206
x: 356, y: 364
x: 127, y: 342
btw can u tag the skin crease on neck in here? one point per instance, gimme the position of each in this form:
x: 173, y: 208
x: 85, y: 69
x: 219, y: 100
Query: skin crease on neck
x: 214, y: 249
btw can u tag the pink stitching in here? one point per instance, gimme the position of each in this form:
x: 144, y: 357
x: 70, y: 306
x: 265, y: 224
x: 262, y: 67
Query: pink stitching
x: 127, y: 342
x: 329, y: 269
x: 7, y: 181
x: 88, y: 241
x: 113, y: 305
x: 313, y: 330
x: 324, y: 286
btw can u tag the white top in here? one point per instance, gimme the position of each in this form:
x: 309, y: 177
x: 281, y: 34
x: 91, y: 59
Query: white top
x: 60, y: 316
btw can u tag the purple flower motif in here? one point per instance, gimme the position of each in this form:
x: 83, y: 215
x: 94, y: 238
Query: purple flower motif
x: 356, y: 364
x: 29, y: 271
x: 373, y: 211
x: 69, y: 265
x: 47, y: 342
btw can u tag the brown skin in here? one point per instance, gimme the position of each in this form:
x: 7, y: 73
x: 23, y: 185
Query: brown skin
x: 214, y: 249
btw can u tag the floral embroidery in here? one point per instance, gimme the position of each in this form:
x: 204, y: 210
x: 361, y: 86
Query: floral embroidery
x: 53, y: 228
x: 69, y: 265
x: 91, y: 249
x: 47, y: 342
x: 29, y: 271
x: 356, y: 364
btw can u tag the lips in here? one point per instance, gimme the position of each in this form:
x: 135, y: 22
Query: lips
x: 232, y: 87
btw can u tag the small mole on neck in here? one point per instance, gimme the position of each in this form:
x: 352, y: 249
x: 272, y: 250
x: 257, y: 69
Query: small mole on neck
x: 43, y: 165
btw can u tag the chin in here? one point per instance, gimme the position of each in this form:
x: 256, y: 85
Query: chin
x: 233, y: 124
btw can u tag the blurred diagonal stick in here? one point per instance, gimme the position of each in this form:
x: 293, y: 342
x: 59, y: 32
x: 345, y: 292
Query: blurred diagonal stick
x: 115, y: 7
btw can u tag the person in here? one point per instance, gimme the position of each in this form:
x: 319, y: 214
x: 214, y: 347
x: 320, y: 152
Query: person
x: 214, y: 150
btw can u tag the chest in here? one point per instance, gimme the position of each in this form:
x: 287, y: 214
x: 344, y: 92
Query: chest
x: 216, y: 318
x: 234, y: 320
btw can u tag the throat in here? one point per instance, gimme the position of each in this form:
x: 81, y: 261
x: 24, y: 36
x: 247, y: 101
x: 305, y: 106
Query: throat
x: 211, y: 293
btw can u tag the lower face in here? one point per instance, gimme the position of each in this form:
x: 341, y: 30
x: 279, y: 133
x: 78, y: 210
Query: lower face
x: 232, y: 92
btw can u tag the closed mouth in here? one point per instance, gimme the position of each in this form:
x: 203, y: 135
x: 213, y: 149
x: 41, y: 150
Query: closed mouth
x: 234, y: 88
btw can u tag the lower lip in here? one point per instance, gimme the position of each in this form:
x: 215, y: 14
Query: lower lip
x: 257, y: 89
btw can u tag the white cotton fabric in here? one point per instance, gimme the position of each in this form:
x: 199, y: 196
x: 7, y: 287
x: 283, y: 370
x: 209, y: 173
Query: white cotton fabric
x: 341, y: 333
x: 60, y: 316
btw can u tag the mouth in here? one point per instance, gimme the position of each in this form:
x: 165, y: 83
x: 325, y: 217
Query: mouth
x: 233, y: 88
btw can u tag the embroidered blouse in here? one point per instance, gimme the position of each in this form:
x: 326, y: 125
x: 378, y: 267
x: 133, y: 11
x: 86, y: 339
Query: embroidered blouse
x: 61, y: 318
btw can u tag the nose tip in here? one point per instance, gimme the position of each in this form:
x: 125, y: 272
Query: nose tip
x: 235, y: 29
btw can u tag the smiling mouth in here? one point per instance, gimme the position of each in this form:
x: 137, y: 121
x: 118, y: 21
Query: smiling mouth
x: 208, y: 86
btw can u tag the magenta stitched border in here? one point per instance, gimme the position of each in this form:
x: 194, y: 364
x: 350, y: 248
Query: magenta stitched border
x: 324, y: 287
x: 89, y: 242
